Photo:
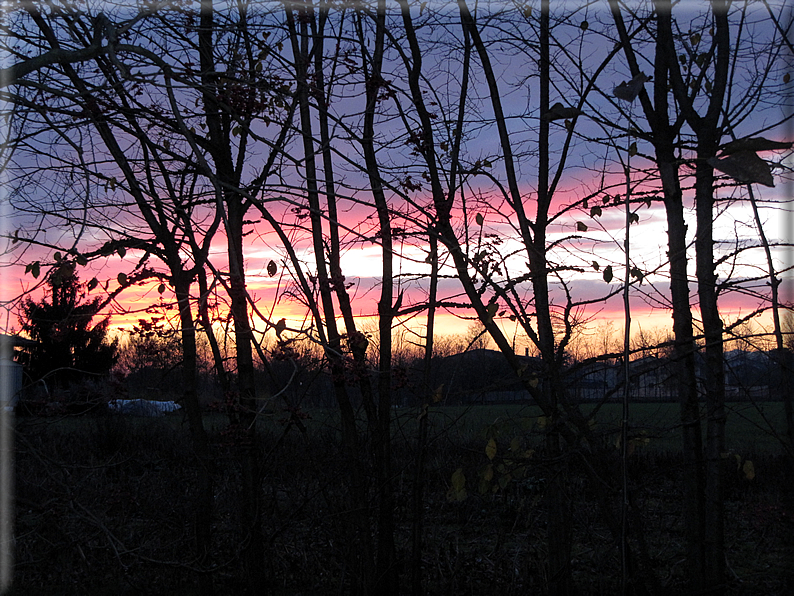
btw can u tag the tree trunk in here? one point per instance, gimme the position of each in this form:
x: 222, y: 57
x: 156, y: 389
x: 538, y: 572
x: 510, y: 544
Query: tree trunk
x: 205, y: 494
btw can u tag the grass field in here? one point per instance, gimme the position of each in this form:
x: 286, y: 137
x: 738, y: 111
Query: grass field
x: 104, y: 503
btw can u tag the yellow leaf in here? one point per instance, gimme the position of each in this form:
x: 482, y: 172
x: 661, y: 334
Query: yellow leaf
x: 457, y: 492
x: 515, y: 444
x: 749, y: 470
x: 487, y: 475
x: 458, y: 479
x: 490, y: 449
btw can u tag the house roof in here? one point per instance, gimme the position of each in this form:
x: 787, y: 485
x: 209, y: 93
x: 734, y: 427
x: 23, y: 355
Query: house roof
x: 17, y: 341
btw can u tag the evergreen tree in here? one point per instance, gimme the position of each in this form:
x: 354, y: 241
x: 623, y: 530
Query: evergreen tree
x: 67, y: 344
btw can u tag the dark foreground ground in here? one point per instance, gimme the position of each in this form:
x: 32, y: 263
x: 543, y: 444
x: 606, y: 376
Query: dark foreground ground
x: 103, y: 506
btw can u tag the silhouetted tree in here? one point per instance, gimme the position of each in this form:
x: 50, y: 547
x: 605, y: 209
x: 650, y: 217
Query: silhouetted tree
x: 67, y: 345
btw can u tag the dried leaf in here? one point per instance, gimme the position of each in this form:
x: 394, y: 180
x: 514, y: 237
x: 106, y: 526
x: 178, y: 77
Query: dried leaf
x: 280, y: 326
x: 596, y: 266
x: 749, y: 470
x: 608, y: 273
x: 595, y: 211
x: 560, y: 112
x: 754, y: 144
x: 271, y: 268
x: 744, y: 166
x: 122, y: 279
x: 629, y: 90
x: 490, y: 449
x: 479, y: 219
x: 491, y: 310
x: 457, y: 491
x: 581, y: 227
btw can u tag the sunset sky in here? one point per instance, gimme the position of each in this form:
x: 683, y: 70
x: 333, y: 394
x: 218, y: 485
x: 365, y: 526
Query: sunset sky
x: 586, y: 171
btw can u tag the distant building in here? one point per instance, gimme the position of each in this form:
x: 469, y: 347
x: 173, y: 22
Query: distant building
x: 11, y: 373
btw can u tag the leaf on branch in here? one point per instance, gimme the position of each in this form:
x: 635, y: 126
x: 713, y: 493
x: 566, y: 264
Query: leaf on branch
x: 634, y: 218
x: 581, y: 227
x: 457, y: 492
x: 271, y: 268
x: 633, y: 149
x: 280, y: 326
x: 122, y: 251
x: 749, y: 470
x: 490, y: 449
x: 93, y: 283
x: 81, y: 260
x: 595, y: 211
x: 608, y: 273
x: 596, y: 266
x: 629, y: 90
x: 636, y: 273
x: 122, y: 279
x: 754, y: 144
x: 744, y: 166
x: 33, y: 268
x: 584, y: 25
x: 491, y: 310
x: 560, y: 112
x: 438, y: 394
x: 161, y: 288
x: 479, y: 219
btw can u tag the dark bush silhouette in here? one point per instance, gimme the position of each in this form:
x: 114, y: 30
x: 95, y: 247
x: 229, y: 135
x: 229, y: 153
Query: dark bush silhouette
x: 68, y: 348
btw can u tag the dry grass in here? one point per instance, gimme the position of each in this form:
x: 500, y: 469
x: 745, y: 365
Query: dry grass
x: 104, y: 506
